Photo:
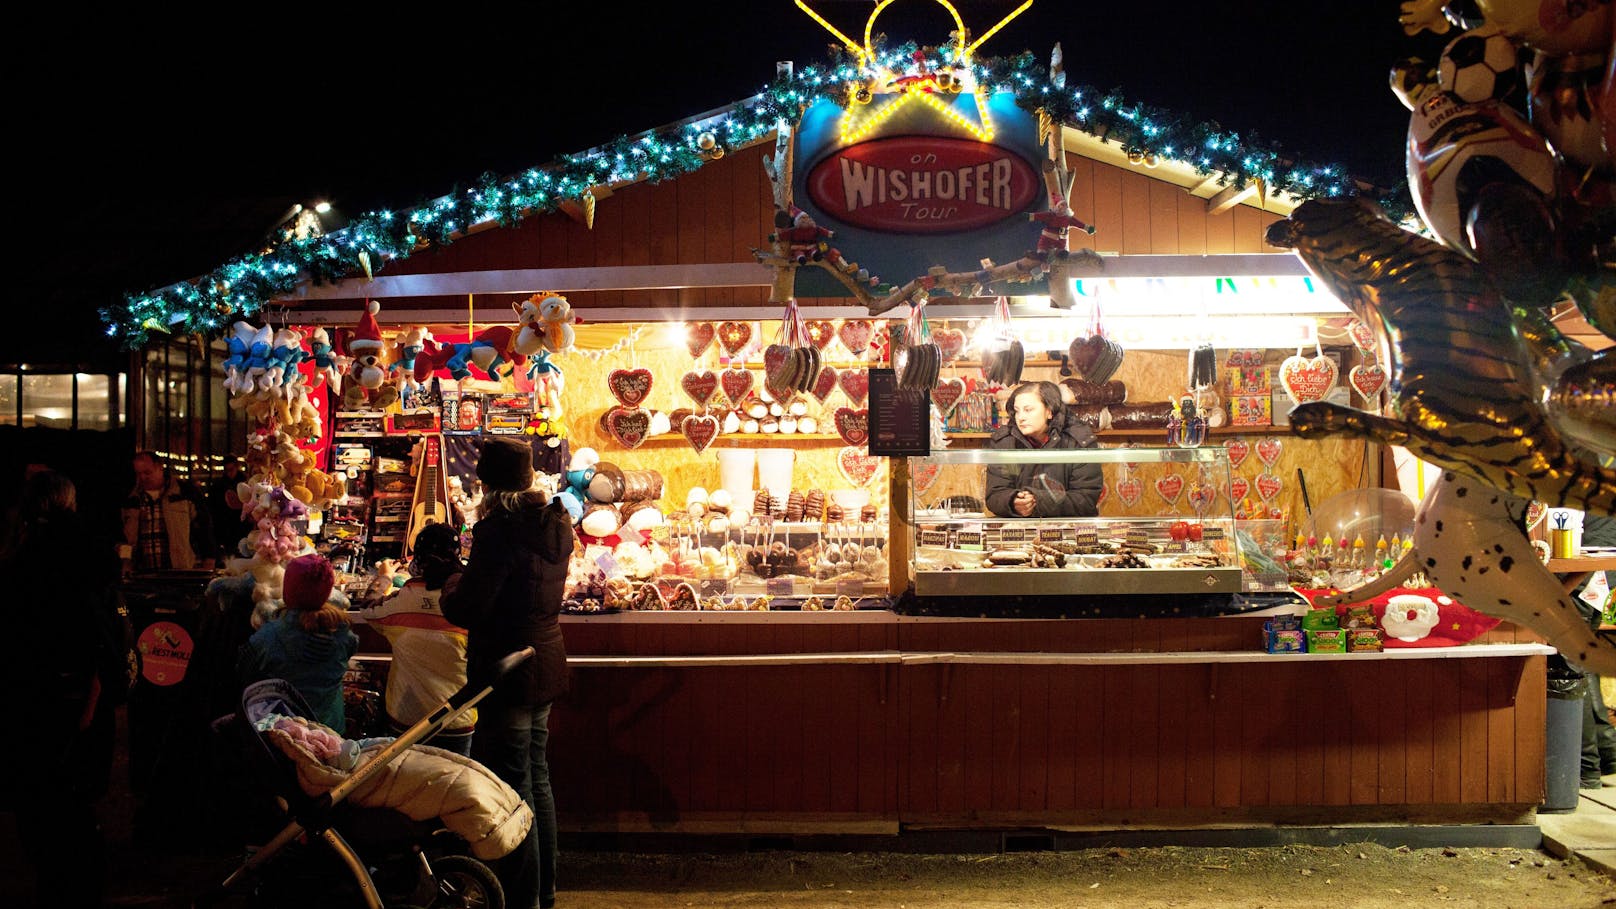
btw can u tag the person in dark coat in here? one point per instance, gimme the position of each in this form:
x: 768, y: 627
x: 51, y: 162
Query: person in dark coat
x: 509, y: 597
x: 1038, y: 421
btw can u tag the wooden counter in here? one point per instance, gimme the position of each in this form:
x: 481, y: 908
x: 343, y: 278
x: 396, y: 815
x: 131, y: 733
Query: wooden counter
x: 869, y: 722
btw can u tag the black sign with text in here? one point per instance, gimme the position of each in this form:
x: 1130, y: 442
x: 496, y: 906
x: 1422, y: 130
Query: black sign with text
x: 900, y: 418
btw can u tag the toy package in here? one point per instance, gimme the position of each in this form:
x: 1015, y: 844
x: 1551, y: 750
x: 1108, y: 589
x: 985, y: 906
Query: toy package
x: 1283, y: 634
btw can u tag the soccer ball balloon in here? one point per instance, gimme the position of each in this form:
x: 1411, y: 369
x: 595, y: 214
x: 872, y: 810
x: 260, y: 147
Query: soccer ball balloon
x: 1479, y: 65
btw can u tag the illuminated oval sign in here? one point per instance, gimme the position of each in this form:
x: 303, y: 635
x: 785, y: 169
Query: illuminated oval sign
x: 923, y: 185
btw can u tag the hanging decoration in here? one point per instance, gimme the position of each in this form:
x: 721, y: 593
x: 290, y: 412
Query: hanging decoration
x: 1269, y: 449
x: 699, y: 337
x: 1170, y: 486
x: 852, y: 424
x: 855, y: 383
x: 1238, y: 450
x: 1307, y: 378
x: 857, y: 465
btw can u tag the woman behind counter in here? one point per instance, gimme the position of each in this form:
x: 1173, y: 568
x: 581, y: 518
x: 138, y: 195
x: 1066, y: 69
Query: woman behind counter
x: 1039, y: 421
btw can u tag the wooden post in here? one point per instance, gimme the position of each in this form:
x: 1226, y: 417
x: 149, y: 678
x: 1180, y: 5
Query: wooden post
x: 900, y: 527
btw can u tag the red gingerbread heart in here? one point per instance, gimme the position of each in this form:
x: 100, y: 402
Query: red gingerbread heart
x: 857, y: 465
x: 1367, y: 379
x: 855, y: 335
x: 853, y: 425
x: 1129, y: 489
x: 922, y: 477
x: 1239, y: 488
x: 699, y: 431
x: 699, y: 385
x: 1238, y: 449
x: 734, y: 336
x: 855, y: 384
x: 737, y: 384
x: 699, y: 337
x: 1170, y: 488
x: 1269, y: 486
x: 947, y: 394
x: 1268, y: 450
x: 825, y: 383
x: 819, y: 332
x: 1363, y: 337
x: 629, y: 426
x: 630, y: 386
x: 1307, y: 378
x: 950, y: 343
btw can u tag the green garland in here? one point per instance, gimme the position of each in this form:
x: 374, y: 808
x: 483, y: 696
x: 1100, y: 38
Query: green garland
x: 242, y: 287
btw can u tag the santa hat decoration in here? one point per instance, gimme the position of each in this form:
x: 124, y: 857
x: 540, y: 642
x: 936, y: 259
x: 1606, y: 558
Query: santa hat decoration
x: 367, y: 335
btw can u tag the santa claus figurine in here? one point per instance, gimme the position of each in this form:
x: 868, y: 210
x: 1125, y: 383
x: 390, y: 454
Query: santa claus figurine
x: 801, y: 234
x: 1056, y: 221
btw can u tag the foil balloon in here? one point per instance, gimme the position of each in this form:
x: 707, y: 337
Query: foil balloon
x: 1466, y: 396
x: 1563, y: 102
x: 1551, y: 26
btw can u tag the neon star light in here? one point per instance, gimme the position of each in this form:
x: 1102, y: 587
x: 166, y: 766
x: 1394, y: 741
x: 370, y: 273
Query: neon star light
x: 923, y: 87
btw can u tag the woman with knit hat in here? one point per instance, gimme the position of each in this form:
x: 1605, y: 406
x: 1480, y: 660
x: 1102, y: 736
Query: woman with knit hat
x: 308, y: 644
x: 509, y: 597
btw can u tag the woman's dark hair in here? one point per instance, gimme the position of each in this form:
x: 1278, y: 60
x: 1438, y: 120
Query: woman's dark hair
x: 437, y: 554
x: 1049, y: 394
x: 46, y: 493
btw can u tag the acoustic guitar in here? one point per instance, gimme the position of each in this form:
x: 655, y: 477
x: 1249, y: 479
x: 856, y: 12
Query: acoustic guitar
x: 430, y: 507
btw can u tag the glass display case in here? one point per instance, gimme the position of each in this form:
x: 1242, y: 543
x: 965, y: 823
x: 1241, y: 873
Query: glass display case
x: 1182, y: 541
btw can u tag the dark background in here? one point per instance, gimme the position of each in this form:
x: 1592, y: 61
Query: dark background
x: 155, y: 144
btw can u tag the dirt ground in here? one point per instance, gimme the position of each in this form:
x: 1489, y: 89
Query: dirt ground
x: 1289, y: 876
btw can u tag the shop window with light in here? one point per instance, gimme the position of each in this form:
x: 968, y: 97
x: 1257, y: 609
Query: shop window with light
x: 61, y: 400
x: 10, y: 400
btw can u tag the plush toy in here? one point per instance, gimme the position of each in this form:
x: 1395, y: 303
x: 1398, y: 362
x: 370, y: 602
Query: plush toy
x: 235, y: 361
x: 464, y: 503
x: 281, y: 376
x: 804, y: 238
x: 496, y: 350
x: 579, y: 472
x: 327, y: 362
x: 554, y: 321
x: 1056, y: 222
x: 368, y: 371
x: 409, y: 347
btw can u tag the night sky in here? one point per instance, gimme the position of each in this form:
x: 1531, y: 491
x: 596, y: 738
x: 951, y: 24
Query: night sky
x: 156, y: 145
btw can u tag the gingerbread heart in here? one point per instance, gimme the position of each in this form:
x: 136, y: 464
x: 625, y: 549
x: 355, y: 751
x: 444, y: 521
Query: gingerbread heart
x: 1268, y: 486
x: 1239, y: 488
x: 853, y: 425
x: 630, y: 386
x: 1367, y: 379
x: 734, y: 336
x: 857, y: 466
x: 1268, y: 450
x: 922, y: 477
x: 946, y: 394
x: 699, y: 385
x: 1535, y: 513
x: 855, y: 335
x: 699, y: 337
x: 824, y: 383
x: 1363, y: 337
x: 819, y: 332
x: 1170, y: 487
x: 737, y: 384
x: 1238, y: 449
x: 1307, y: 378
x: 684, y: 599
x: 629, y: 426
x: 699, y: 431
x: 1129, y: 489
x: 855, y: 384
x: 950, y: 343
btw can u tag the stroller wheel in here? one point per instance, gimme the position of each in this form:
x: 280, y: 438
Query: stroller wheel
x: 465, y: 883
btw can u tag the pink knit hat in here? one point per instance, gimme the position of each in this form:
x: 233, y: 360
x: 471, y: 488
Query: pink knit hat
x: 308, y: 582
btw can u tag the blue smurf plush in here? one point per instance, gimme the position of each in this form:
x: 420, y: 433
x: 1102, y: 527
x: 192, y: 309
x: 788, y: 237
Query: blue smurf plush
x: 579, y: 472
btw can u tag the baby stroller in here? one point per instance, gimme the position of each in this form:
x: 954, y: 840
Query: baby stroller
x: 410, y: 863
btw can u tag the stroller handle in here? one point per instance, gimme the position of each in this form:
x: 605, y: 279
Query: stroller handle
x: 481, y: 684
x: 511, y: 661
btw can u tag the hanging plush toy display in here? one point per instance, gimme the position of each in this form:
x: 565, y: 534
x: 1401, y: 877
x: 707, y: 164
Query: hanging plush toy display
x: 367, y: 373
x: 500, y: 350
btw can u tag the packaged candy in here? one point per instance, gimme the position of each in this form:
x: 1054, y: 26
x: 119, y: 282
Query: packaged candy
x: 1366, y: 640
x: 1327, y: 640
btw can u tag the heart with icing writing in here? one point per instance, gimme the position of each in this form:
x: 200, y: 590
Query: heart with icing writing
x: 737, y: 384
x: 946, y: 394
x: 734, y: 336
x: 1129, y: 489
x: 950, y: 343
x: 1239, y: 488
x: 1268, y: 450
x: 1367, y: 379
x: 855, y: 384
x: 1268, y: 486
x: 1307, y: 378
x: 699, y: 385
x: 1237, y: 449
x: 1363, y: 337
x: 1170, y: 487
x: 1202, y: 495
x: 1535, y: 513
x: 699, y: 431
x: 857, y: 465
x: 853, y: 425
x: 855, y: 335
x: 628, y: 425
x: 819, y: 332
x: 922, y: 477
x: 630, y: 386
x: 699, y: 337
x: 824, y: 383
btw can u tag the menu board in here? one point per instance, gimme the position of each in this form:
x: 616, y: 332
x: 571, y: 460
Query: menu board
x: 900, y: 418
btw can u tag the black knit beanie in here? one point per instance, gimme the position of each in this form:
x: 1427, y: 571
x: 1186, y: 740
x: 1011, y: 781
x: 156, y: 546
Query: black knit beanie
x: 505, y: 465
